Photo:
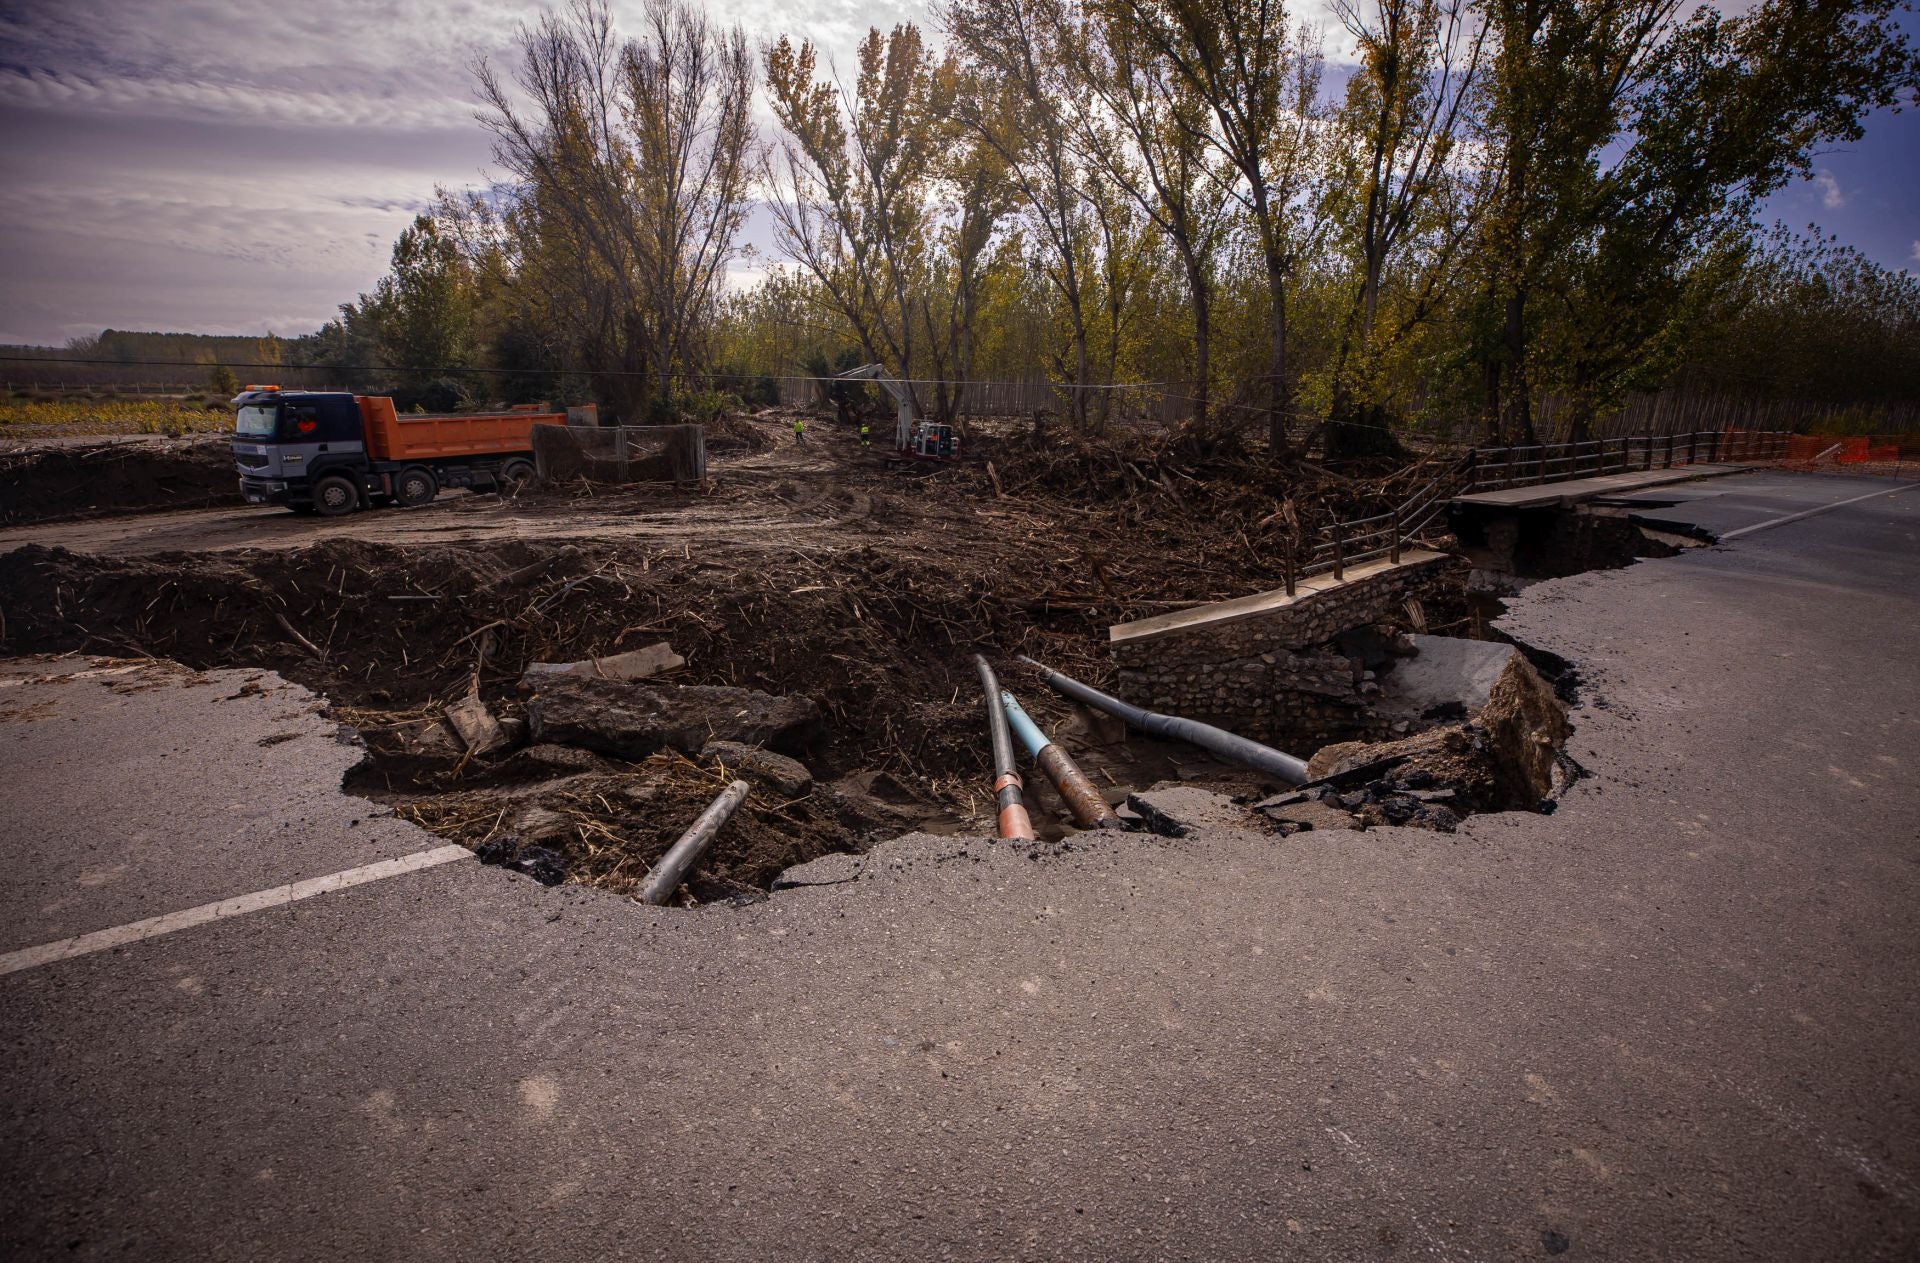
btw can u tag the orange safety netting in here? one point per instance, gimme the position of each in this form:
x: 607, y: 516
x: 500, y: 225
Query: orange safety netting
x: 1824, y: 448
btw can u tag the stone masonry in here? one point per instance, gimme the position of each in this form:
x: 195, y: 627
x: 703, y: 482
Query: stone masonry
x: 1275, y: 674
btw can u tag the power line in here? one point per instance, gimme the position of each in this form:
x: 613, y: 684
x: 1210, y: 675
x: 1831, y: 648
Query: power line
x: 451, y: 369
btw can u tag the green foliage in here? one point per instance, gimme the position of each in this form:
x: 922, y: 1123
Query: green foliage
x: 437, y: 394
x: 222, y: 382
x: 756, y: 390
x: 420, y: 315
x: 1512, y: 205
x: 694, y: 406
x: 1808, y: 318
x: 75, y: 415
x: 180, y: 348
x: 851, y: 394
x: 1592, y: 264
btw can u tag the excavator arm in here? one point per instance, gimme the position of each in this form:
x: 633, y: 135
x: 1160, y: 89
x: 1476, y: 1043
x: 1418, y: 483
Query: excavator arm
x: 902, y: 398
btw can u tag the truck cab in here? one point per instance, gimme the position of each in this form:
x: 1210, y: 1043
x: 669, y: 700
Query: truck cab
x: 284, y: 442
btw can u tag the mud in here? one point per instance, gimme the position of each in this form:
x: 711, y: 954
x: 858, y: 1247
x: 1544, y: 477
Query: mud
x: 69, y: 481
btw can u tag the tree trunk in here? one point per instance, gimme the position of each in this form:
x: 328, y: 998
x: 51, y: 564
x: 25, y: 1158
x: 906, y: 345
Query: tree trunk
x: 1202, y: 299
x: 1490, y: 401
x: 1519, y: 403
x: 1079, y: 368
x: 1278, y: 395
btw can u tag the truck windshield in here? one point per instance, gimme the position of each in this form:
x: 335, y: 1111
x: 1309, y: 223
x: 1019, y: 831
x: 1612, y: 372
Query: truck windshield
x: 255, y: 421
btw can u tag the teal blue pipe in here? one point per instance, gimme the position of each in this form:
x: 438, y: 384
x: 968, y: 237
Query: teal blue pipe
x: 1023, y: 726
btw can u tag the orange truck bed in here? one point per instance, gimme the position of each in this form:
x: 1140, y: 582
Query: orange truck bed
x: 394, y: 437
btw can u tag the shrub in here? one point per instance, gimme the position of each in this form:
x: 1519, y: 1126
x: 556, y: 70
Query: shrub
x: 698, y: 406
x: 754, y: 390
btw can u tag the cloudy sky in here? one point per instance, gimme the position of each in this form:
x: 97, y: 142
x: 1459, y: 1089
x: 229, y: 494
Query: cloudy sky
x: 242, y: 166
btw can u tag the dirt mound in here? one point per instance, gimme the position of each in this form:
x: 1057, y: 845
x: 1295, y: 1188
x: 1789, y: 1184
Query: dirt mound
x: 47, y: 484
x: 1526, y: 727
x: 1190, y: 482
x: 882, y: 643
x: 731, y: 432
x: 1508, y: 757
x: 397, y: 634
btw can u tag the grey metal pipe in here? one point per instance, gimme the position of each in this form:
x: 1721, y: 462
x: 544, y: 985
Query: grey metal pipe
x: 685, y: 853
x: 1227, y: 745
x: 1011, y: 810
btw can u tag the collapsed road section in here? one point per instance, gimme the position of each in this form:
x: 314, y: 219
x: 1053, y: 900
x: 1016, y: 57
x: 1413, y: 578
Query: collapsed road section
x: 451, y: 666
x: 569, y: 706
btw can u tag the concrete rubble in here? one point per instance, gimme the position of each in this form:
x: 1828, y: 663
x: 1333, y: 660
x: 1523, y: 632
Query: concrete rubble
x: 789, y: 776
x: 1298, y: 812
x: 635, y: 664
x: 1173, y: 810
x: 479, y: 731
x: 632, y: 720
x: 1527, y: 726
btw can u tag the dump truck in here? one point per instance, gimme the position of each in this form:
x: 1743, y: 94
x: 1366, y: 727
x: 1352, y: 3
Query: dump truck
x: 333, y: 453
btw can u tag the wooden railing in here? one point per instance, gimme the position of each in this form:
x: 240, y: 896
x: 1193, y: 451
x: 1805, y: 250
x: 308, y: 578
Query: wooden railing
x: 1498, y: 467
x: 1387, y: 535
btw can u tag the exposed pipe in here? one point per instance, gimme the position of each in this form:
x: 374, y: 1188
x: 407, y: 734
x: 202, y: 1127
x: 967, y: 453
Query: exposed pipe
x: 685, y: 853
x: 1227, y: 745
x: 1012, y: 811
x: 1090, y: 810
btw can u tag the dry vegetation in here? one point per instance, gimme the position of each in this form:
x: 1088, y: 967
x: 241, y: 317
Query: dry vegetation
x: 26, y: 415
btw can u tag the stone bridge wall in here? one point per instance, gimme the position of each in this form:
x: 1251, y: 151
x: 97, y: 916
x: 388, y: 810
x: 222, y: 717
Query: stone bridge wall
x: 1277, y: 675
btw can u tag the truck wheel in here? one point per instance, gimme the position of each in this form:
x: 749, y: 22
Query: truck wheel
x: 335, y: 496
x: 414, y: 486
x: 514, y: 473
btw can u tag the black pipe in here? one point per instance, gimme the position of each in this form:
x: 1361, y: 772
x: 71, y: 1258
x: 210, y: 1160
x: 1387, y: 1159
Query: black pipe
x: 1227, y: 745
x: 1012, y: 817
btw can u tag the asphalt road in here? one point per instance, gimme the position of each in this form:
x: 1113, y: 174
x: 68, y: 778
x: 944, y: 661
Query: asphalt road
x: 1677, y: 1018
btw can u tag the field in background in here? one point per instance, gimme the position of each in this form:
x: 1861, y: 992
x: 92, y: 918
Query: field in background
x: 25, y: 415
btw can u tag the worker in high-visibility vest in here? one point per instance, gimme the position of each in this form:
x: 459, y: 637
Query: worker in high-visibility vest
x: 800, y: 429
x: 864, y: 440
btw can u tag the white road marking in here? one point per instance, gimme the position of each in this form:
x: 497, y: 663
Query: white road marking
x: 1825, y: 508
x: 187, y: 918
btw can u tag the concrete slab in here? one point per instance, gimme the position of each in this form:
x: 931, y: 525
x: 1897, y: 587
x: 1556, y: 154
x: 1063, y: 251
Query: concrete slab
x: 1553, y: 494
x: 1260, y: 602
x: 1446, y: 672
x: 1194, y: 807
